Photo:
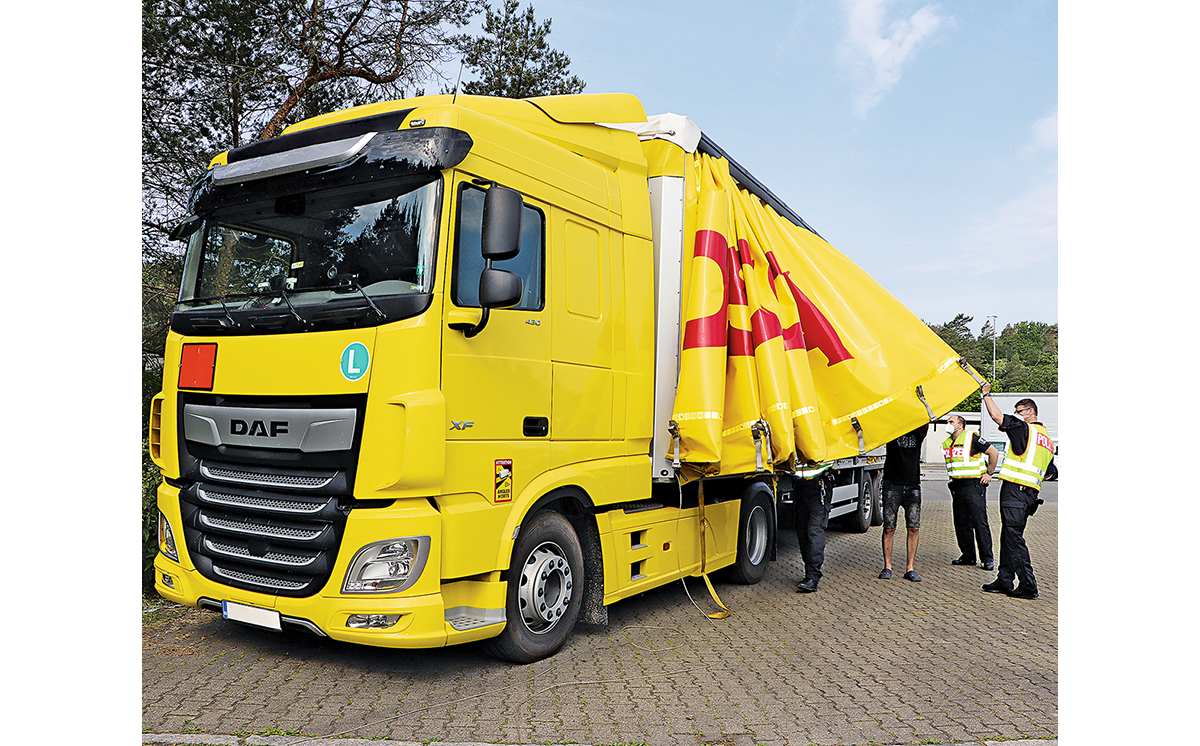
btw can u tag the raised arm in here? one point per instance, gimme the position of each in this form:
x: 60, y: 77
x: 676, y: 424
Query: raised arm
x: 993, y: 410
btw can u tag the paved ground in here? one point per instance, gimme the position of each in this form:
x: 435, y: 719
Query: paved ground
x: 863, y: 661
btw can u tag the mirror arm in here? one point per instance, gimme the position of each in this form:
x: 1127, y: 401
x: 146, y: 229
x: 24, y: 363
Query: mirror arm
x: 470, y: 330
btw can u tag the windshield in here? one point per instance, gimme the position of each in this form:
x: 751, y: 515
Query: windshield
x: 378, y: 238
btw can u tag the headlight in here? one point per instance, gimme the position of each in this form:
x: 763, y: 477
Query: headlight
x: 386, y: 566
x: 166, y: 539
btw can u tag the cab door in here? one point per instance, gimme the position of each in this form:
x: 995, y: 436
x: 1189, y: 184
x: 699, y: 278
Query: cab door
x: 497, y: 383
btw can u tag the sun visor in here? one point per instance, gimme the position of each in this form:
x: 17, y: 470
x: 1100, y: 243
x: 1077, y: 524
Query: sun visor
x: 290, y: 161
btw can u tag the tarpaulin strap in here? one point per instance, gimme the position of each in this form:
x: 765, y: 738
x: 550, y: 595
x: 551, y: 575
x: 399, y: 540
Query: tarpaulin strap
x: 949, y: 363
x: 862, y: 446
x: 921, y: 396
x: 962, y: 361
x: 673, y: 428
x: 724, y: 612
x: 761, y: 431
x: 870, y: 407
x: 739, y: 428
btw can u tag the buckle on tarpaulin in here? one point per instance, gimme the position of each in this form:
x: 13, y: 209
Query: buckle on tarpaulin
x: 762, y: 433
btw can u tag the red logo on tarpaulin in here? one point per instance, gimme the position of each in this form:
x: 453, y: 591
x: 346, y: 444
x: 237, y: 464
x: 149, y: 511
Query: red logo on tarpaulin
x: 710, y: 330
x: 813, y: 329
x: 197, y: 366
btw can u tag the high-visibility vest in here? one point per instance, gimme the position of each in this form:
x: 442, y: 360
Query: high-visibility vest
x: 808, y: 471
x: 960, y: 464
x: 1029, y: 468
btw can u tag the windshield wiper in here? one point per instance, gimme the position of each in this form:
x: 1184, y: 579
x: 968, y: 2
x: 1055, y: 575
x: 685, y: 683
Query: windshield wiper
x: 228, y: 316
x: 370, y: 302
x: 283, y: 294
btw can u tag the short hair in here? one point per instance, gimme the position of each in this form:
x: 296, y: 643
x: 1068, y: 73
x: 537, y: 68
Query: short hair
x: 1027, y: 403
x: 956, y: 417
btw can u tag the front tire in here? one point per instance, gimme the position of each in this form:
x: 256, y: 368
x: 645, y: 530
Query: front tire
x: 756, y: 536
x: 545, y: 590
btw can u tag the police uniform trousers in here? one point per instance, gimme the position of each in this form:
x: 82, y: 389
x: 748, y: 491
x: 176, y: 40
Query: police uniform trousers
x: 969, y: 506
x: 812, y: 518
x: 1015, y: 502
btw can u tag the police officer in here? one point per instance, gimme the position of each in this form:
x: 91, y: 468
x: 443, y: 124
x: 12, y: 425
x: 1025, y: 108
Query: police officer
x: 964, y: 451
x: 1030, y: 458
x: 812, y: 518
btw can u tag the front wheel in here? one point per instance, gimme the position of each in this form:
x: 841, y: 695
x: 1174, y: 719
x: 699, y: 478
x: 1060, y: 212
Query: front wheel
x: 545, y: 590
x: 756, y: 534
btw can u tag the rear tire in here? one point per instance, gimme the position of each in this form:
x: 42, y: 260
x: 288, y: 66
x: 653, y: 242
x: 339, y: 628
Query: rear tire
x: 860, y: 520
x: 877, y: 497
x: 756, y: 536
x: 545, y: 590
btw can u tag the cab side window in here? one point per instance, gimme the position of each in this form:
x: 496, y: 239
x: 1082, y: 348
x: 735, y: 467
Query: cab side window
x: 529, y: 264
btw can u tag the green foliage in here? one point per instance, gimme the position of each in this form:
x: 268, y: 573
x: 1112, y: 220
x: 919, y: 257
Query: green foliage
x: 513, y: 59
x: 1026, y: 355
x: 152, y: 371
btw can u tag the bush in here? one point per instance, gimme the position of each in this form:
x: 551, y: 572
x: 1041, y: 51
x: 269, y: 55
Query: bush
x: 151, y: 381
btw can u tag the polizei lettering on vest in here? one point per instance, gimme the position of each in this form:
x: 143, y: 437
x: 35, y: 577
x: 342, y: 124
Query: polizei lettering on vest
x: 260, y: 428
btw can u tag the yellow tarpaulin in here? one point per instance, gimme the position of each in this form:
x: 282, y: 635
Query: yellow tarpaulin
x: 787, y: 344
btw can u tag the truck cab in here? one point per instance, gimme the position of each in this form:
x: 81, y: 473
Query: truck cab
x: 369, y: 396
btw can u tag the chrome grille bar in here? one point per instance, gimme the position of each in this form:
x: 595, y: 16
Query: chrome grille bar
x: 251, y: 528
x: 267, y: 503
x: 259, y: 580
x: 246, y: 476
x: 283, y: 559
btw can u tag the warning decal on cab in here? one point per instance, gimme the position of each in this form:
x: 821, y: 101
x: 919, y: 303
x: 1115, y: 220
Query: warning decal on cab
x: 504, y: 480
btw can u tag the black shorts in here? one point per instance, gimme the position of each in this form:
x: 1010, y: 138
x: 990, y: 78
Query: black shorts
x: 895, y: 495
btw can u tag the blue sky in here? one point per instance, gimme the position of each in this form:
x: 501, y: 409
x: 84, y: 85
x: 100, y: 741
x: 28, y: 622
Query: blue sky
x: 919, y: 139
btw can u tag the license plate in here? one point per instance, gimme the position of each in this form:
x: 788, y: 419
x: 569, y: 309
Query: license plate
x: 268, y: 618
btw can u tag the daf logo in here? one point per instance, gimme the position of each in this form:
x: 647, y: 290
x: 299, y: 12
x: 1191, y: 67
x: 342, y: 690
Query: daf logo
x: 461, y: 425
x: 261, y: 428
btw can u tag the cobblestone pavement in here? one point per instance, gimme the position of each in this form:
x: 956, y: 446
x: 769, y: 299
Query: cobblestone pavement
x: 862, y: 661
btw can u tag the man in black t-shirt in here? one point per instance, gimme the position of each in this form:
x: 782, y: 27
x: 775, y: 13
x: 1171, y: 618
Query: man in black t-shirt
x: 902, y: 486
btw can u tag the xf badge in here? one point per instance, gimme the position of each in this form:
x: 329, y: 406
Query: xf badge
x: 461, y: 425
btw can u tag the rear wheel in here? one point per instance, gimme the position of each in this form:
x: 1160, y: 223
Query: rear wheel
x: 860, y: 520
x: 545, y: 590
x: 756, y: 535
x: 877, y: 498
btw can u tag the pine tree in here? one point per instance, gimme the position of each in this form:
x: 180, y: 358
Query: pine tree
x: 513, y: 59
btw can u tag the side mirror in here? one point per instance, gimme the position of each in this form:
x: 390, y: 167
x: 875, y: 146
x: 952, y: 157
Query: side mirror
x: 500, y: 239
x: 502, y: 209
x: 499, y: 289
x: 185, y: 228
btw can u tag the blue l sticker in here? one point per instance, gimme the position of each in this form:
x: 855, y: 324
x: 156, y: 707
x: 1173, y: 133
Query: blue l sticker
x: 356, y: 359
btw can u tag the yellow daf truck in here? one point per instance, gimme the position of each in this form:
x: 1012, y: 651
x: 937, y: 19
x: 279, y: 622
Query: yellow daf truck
x: 424, y: 373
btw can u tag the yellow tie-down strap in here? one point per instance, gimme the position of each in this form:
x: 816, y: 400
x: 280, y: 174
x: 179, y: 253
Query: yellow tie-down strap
x: 724, y: 612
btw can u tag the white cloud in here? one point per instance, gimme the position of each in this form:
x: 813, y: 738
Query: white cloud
x: 1020, y: 233
x: 879, y: 59
x: 1045, y: 132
